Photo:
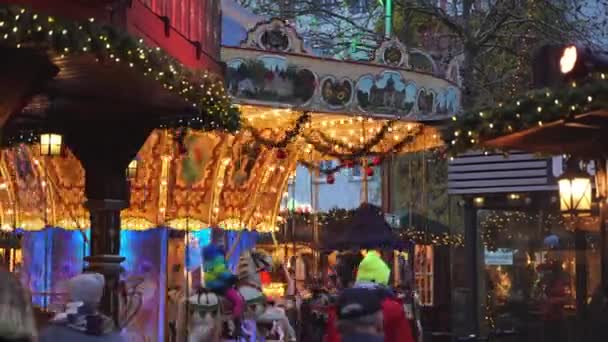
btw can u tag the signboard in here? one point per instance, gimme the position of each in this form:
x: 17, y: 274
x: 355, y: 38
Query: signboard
x: 501, y: 257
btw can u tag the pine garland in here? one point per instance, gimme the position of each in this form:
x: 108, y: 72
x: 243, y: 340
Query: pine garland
x: 21, y: 28
x: 533, y: 109
x: 289, y: 135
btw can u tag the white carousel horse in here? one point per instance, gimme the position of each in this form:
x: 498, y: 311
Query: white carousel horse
x: 200, y: 318
x: 251, y: 263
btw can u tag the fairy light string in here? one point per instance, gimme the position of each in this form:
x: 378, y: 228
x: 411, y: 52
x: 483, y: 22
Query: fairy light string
x: 21, y: 28
x: 533, y: 109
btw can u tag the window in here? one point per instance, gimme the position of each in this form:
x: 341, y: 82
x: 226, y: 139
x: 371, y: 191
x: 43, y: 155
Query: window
x: 423, y: 272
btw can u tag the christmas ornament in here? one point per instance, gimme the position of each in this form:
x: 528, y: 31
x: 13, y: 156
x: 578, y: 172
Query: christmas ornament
x: 369, y: 171
x: 331, y: 179
x: 377, y: 161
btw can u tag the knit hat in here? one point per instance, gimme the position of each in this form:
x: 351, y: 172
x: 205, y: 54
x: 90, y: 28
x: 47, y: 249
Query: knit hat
x: 86, y: 288
x: 357, y: 302
x: 373, y: 269
x: 217, y: 276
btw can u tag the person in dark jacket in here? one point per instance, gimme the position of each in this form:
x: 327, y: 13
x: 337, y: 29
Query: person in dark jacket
x: 373, y: 275
x: 81, y: 321
x: 360, y: 316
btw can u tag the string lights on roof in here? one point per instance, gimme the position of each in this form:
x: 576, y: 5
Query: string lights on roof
x: 22, y: 28
x: 533, y: 109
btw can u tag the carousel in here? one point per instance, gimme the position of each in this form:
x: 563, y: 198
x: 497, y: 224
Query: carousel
x: 187, y: 186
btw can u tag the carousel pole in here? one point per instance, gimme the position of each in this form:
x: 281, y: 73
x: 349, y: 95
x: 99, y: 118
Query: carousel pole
x: 314, y: 194
x: 365, y: 197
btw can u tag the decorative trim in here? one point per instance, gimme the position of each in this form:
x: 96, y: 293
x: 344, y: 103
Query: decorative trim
x: 392, y: 53
x: 274, y: 35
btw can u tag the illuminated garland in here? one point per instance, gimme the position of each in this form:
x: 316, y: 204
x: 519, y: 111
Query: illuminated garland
x: 326, y: 148
x: 531, y: 110
x: 323, y: 219
x: 326, y: 144
x: 290, y: 135
x: 419, y: 236
x: 367, y: 146
x: 20, y: 28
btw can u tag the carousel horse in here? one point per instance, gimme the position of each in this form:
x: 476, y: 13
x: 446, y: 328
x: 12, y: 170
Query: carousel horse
x: 200, y: 318
x: 257, y: 313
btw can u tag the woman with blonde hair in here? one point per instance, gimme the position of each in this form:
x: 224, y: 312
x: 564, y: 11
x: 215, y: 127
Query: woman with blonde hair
x: 16, y: 315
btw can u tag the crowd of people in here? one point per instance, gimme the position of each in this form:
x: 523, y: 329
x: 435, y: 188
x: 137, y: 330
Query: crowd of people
x: 363, y: 308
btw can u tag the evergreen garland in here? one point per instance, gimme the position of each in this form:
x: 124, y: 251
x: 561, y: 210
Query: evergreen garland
x: 21, y: 28
x: 533, y: 109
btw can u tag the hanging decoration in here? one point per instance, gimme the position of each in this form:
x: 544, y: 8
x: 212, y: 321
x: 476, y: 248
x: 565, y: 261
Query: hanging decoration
x: 23, y: 28
x: 326, y: 147
x: 469, y: 130
x: 331, y: 179
x: 288, y: 137
x: 194, y: 162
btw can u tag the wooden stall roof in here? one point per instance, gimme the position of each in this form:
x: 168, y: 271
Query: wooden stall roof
x: 585, y: 135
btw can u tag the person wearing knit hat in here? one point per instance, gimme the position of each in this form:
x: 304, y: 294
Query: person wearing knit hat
x: 220, y: 280
x: 374, y: 275
x: 81, y: 321
x: 373, y: 269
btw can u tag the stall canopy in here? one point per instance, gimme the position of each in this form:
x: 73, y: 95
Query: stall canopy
x: 585, y: 135
x: 365, y: 229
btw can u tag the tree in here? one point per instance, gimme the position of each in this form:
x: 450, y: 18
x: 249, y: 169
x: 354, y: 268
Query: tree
x: 494, y: 39
x: 333, y: 27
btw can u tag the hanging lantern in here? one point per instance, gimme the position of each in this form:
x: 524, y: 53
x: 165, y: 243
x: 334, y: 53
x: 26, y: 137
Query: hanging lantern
x: 132, y: 169
x: 281, y: 154
x: 51, y: 144
x: 377, y: 161
x: 575, y: 191
x: 369, y: 171
x: 331, y: 179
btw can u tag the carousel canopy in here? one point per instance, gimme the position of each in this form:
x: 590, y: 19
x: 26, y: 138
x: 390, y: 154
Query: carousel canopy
x: 295, y: 108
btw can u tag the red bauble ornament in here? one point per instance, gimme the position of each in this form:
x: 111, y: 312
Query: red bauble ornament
x: 331, y: 179
x: 347, y: 164
x: 377, y: 161
x: 369, y: 171
x: 281, y: 154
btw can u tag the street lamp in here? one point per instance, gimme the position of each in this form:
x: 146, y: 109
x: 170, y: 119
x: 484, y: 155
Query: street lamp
x: 575, y: 201
x: 132, y: 169
x: 50, y: 144
x: 575, y: 191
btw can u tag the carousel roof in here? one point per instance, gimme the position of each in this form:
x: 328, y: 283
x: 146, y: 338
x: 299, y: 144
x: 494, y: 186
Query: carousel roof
x: 295, y: 108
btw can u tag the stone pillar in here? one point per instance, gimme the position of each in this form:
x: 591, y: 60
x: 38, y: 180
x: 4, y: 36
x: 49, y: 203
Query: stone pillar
x: 105, y: 249
x: 105, y: 150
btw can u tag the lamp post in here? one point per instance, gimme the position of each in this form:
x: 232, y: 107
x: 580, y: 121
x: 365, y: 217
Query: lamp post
x: 575, y: 201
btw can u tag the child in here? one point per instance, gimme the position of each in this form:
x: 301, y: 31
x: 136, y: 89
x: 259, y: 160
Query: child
x: 220, y: 280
